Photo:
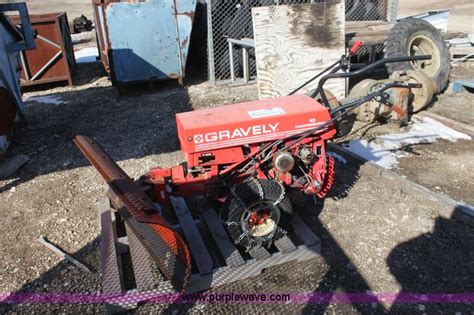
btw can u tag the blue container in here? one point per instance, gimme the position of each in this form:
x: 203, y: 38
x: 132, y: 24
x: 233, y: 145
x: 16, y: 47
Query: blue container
x: 144, y: 41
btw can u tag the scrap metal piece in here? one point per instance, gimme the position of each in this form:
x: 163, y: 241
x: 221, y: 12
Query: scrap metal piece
x: 165, y: 246
x: 63, y: 254
x: 398, y: 102
x: 53, y: 58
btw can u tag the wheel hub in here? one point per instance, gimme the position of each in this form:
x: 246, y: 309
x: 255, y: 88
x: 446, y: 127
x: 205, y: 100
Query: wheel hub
x: 423, y: 45
x: 259, y: 220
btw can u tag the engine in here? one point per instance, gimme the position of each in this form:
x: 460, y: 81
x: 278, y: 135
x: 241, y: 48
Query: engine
x: 245, y: 156
x: 215, y: 140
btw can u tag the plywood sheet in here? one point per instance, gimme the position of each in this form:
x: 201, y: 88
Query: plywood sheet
x: 295, y: 42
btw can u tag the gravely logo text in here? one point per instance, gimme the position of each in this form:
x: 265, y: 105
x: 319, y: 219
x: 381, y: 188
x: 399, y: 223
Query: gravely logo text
x: 237, y: 133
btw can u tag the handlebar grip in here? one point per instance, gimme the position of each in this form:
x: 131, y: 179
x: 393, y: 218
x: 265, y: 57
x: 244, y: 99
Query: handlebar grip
x: 355, y: 47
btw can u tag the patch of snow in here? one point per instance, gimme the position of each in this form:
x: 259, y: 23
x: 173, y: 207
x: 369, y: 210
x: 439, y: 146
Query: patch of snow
x: 385, y: 150
x: 47, y: 99
x: 338, y: 158
x: 373, y: 152
x: 88, y: 54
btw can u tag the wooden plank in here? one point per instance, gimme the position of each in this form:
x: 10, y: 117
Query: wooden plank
x: 121, y: 245
x: 191, y: 234
x: 251, y: 269
x: 369, y: 32
x: 219, y: 234
x: 10, y: 166
x: 284, y: 244
x: 111, y: 279
x: 178, y: 226
x: 392, y: 10
x: 259, y: 253
x: 364, y: 34
x: 368, y: 40
x: 303, y: 231
x: 173, y: 269
x: 110, y: 263
x: 368, y: 29
x: 141, y: 262
x: 293, y: 43
x: 360, y: 25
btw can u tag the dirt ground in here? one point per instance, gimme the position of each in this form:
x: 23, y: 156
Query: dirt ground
x: 411, y: 244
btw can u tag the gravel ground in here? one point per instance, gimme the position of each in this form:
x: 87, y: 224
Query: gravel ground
x: 411, y: 244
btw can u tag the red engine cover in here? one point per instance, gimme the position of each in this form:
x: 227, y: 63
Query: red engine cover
x: 247, y: 123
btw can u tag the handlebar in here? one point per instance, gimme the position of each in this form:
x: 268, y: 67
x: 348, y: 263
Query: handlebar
x: 340, y: 111
x: 370, y: 67
x: 332, y: 75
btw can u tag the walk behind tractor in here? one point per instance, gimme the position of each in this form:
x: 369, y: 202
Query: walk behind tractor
x: 246, y: 157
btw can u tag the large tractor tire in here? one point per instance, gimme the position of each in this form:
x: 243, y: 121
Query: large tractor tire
x: 256, y: 212
x: 414, y: 37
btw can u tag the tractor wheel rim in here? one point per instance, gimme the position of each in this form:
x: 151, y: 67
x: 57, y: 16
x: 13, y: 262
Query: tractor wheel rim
x: 260, y: 219
x: 423, y: 45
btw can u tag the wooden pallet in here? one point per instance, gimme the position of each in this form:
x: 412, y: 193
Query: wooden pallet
x: 127, y: 266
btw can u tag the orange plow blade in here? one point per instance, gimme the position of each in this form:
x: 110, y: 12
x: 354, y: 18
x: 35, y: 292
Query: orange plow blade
x: 164, y: 245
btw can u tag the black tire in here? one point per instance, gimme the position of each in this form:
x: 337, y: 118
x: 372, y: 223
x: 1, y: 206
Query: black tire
x: 245, y: 195
x: 404, y: 34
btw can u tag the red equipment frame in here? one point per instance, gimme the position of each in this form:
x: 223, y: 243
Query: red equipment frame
x: 217, y: 140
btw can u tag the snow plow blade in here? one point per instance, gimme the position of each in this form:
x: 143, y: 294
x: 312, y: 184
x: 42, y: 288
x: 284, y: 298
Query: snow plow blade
x: 164, y: 245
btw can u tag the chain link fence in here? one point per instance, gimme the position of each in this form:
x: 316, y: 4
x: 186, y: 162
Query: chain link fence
x: 233, y: 19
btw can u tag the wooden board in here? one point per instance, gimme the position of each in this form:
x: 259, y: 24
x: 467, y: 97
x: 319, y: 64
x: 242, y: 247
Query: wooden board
x: 144, y: 277
x: 193, y: 238
x: 216, y: 228
x: 9, y: 167
x: 369, y: 32
x: 293, y: 43
x: 289, y: 249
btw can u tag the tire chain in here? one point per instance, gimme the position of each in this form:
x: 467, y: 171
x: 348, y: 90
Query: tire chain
x: 259, y: 187
x: 282, y: 194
